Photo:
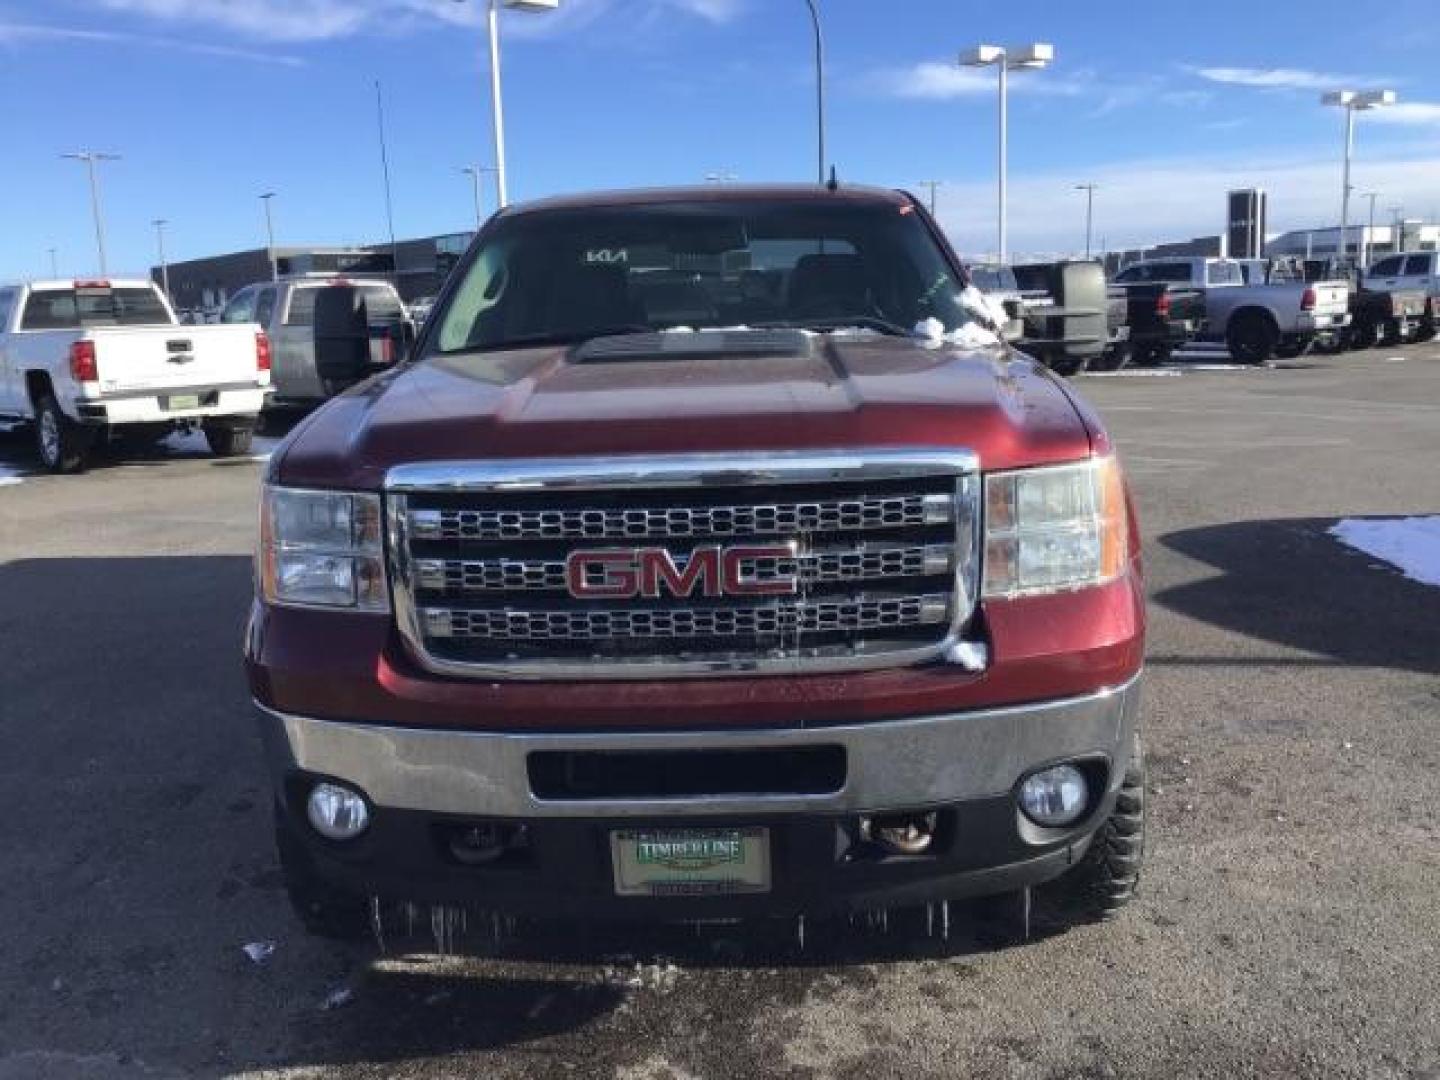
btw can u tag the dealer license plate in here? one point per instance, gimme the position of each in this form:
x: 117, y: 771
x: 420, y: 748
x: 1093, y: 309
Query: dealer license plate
x: 183, y: 401
x: 690, y: 862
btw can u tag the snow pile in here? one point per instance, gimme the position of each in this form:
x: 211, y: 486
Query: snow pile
x: 985, y: 308
x: 932, y: 332
x: 1411, y: 545
x: 8, y: 475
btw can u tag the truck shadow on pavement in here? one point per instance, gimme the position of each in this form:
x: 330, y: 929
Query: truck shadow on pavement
x: 1290, y: 583
x: 140, y: 863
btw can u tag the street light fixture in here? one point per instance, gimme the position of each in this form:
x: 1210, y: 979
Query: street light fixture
x: 1089, y: 190
x: 497, y: 110
x: 1352, y: 101
x: 90, y: 157
x: 475, y: 172
x: 270, y: 236
x: 1032, y: 57
x: 721, y: 178
x: 160, y: 224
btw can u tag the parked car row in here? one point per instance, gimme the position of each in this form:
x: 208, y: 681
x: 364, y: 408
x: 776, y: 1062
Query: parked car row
x: 1063, y: 313
x: 87, y: 363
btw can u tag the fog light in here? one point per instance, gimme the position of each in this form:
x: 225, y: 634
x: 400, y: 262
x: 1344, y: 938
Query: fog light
x: 1054, y: 797
x: 336, y: 812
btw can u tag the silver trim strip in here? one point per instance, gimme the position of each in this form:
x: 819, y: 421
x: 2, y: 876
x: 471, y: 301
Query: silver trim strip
x: 676, y: 471
x: 890, y: 763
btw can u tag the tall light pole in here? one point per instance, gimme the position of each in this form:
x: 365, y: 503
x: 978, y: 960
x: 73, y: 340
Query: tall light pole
x: 90, y: 157
x: 1352, y: 102
x: 1089, y: 190
x: 475, y: 172
x: 497, y: 108
x: 932, y: 185
x: 1030, y: 57
x: 1369, y: 237
x: 160, y: 224
x: 819, y: 89
x: 270, y: 236
x: 54, y: 262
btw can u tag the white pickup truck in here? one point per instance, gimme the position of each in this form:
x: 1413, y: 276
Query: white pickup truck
x: 1255, y: 320
x: 88, y: 361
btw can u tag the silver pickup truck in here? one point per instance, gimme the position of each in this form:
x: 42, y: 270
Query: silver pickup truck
x: 327, y: 333
x: 1256, y: 322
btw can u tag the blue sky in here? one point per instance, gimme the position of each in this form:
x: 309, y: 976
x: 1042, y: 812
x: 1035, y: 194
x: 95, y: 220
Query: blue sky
x: 213, y: 101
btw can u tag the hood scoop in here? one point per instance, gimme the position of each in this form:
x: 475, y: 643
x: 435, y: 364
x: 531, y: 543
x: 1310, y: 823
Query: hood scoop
x: 688, y: 344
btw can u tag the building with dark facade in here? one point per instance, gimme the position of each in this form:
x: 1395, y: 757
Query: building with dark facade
x: 417, y: 267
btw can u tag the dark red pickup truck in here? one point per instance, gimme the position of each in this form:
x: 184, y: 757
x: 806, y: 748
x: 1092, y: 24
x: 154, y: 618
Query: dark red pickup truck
x: 707, y: 560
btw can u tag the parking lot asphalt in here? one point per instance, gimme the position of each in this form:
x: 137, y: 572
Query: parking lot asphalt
x: 1287, y: 924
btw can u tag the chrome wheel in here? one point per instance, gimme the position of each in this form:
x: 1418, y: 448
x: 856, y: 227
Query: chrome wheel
x: 49, y: 438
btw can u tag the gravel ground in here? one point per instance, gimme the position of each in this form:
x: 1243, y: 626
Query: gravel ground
x: 1287, y: 924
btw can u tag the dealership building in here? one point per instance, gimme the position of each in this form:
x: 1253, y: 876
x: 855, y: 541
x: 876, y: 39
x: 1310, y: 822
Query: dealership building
x: 417, y: 267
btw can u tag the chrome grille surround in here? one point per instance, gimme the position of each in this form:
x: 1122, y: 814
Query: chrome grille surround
x: 438, y: 619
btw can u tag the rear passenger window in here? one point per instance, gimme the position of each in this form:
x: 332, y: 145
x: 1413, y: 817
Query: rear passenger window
x: 265, y: 307
x: 241, y: 308
x: 1417, y: 265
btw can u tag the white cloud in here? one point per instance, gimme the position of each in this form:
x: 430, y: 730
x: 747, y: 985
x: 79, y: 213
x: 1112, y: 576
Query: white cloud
x: 1141, y: 203
x: 936, y: 81
x: 1279, y: 78
x: 1421, y: 113
x: 17, y: 33
x: 323, y: 20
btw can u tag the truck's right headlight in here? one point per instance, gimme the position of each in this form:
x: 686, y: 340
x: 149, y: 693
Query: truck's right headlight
x: 321, y: 549
x: 1054, y: 528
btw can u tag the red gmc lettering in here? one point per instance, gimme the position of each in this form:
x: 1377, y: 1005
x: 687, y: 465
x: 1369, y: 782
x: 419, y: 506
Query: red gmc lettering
x: 657, y: 564
x: 618, y: 578
x: 620, y: 574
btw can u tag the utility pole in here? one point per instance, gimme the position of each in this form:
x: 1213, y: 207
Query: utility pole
x: 385, y: 169
x: 819, y: 89
x: 270, y: 236
x: 160, y: 224
x: 1089, y: 190
x: 90, y: 157
x: 932, y: 185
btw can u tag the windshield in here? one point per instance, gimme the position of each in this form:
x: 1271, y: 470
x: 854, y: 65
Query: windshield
x: 74, y: 309
x: 571, y: 275
x: 382, y: 303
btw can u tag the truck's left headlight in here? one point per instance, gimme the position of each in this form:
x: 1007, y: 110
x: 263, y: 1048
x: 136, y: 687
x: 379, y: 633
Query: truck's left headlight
x: 322, y: 549
x: 1055, y: 528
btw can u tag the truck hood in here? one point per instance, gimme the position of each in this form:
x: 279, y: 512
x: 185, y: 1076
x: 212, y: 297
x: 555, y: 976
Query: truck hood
x: 841, y: 392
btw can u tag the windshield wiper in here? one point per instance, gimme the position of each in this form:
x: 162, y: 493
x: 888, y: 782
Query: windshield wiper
x: 572, y: 337
x: 845, y: 322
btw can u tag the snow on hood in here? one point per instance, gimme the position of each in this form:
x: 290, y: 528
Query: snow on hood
x: 986, y: 309
x: 969, y: 336
x: 1411, y: 545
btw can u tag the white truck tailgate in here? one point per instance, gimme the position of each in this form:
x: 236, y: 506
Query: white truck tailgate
x: 158, y: 358
x: 1331, y: 298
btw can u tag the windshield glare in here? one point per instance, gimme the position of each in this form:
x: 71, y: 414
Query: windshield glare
x: 569, y: 275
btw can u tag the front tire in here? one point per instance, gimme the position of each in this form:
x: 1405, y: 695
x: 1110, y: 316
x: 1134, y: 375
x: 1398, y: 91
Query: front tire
x: 1107, y: 877
x: 229, y: 440
x: 62, y: 444
x: 1252, y: 338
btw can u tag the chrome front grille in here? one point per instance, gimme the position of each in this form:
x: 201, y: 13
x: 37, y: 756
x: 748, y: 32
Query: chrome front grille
x: 639, y: 523
x: 460, y: 576
x: 773, y: 620
x: 611, y: 569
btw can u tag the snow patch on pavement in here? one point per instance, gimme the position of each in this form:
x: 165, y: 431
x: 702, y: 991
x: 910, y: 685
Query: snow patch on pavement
x: 192, y: 444
x: 1134, y: 373
x: 1411, y: 545
x: 9, y: 475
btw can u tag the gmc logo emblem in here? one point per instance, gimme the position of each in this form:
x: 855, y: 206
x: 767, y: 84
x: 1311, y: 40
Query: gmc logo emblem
x: 624, y: 573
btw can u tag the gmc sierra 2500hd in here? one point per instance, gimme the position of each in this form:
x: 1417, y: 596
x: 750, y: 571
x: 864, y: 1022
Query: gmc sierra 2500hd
x: 672, y: 577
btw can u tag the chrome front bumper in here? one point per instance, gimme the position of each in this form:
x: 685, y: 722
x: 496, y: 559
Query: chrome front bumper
x: 922, y: 761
